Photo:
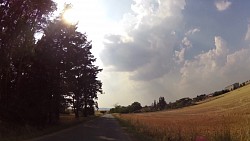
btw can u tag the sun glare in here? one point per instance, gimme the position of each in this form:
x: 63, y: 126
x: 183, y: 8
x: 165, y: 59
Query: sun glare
x: 70, y: 16
x: 91, y: 18
x: 90, y: 15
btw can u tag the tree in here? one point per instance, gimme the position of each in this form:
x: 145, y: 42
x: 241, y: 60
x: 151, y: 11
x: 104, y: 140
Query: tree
x: 135, y: 107
x: 73, y: 64
x: 200, y: 97
x: 20, y: 20
x: 37, y: 76
x: 120, y: 109
x: 183, y: 102
x: 155, y: 105
x: 162, y: 103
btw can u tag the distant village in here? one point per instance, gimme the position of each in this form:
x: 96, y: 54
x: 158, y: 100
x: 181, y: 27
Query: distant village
x: 237, y: 85
x: 161, y: 104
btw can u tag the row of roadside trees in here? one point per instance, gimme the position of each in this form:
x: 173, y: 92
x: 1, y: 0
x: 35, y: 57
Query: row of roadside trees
x: 39, y: 78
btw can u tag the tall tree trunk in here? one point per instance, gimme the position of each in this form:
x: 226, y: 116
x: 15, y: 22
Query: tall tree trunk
x: 77, y: 107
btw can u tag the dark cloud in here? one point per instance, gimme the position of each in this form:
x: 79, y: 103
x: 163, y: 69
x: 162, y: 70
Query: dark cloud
x: 148, y: 56
x: 124, y: 56
x: 148, y: 53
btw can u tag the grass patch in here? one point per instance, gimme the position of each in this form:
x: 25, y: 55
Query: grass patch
x: 132, y: 130
x: 21, y: 133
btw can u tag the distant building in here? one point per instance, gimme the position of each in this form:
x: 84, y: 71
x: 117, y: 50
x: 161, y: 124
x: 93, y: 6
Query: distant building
x: 232, y: 87
x: 210, y: 95
x: 247, y: 82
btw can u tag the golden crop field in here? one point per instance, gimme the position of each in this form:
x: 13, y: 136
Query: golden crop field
x: 225, y: 118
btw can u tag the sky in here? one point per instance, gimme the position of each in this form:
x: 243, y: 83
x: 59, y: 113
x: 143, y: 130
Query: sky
x: 170, y: 48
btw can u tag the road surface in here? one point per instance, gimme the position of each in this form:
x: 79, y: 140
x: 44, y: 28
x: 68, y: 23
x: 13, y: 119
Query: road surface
x: 105, y: 128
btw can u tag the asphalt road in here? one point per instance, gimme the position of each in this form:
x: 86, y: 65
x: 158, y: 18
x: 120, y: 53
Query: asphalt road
x: 105, y: 128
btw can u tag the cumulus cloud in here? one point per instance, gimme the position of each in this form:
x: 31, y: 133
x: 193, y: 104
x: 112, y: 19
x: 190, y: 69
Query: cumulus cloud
x: 212, y: 70
x: 205, y: 68
x: 236, y: 68
x: 206, y: 72
x: 150, y: 54
x: 222, y: 5
x: 158, y: 56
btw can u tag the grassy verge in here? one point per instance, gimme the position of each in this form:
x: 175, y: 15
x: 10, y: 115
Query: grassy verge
x: 132, y: 130
x: 19, y: 133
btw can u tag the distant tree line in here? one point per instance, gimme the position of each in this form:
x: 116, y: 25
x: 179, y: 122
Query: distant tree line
x: 183, y: 102
x: 161, y: 104
x: 217, y: 93
x: 40, y: 78
x: 135, y: 107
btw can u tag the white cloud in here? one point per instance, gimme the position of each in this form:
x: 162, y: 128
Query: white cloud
x: 155, y: 56
x: 180, y: 55
x: 186, y: 42
x: 173, y: 33
x: 236, y: 67
x: 148, y: 54
x: 205, y: 70
x: 221, y: 46
x: 152, y: 12
x: 247, y: 36
x: 192, y: 31
x: 222, y: 5
x: 121, y: 89
x: 214, y: 69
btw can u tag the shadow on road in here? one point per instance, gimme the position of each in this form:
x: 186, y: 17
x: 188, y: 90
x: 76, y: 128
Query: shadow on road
x: 105, y: 128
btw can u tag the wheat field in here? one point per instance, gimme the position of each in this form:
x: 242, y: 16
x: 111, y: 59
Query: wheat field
x: 225, y: 118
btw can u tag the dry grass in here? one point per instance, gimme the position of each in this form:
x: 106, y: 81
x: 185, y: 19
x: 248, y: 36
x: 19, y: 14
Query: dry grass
x: 224, y: 118
x: 18, y: 133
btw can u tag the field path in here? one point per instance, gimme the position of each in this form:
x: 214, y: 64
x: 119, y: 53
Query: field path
x: 105, y: 128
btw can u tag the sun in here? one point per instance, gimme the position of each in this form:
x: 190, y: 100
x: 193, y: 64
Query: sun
x: 70, y: 16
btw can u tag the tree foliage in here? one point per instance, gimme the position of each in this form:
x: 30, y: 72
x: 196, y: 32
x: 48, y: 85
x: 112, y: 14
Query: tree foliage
x: 162, y: 103
x: 39, y: 78
x: 135, y: 107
